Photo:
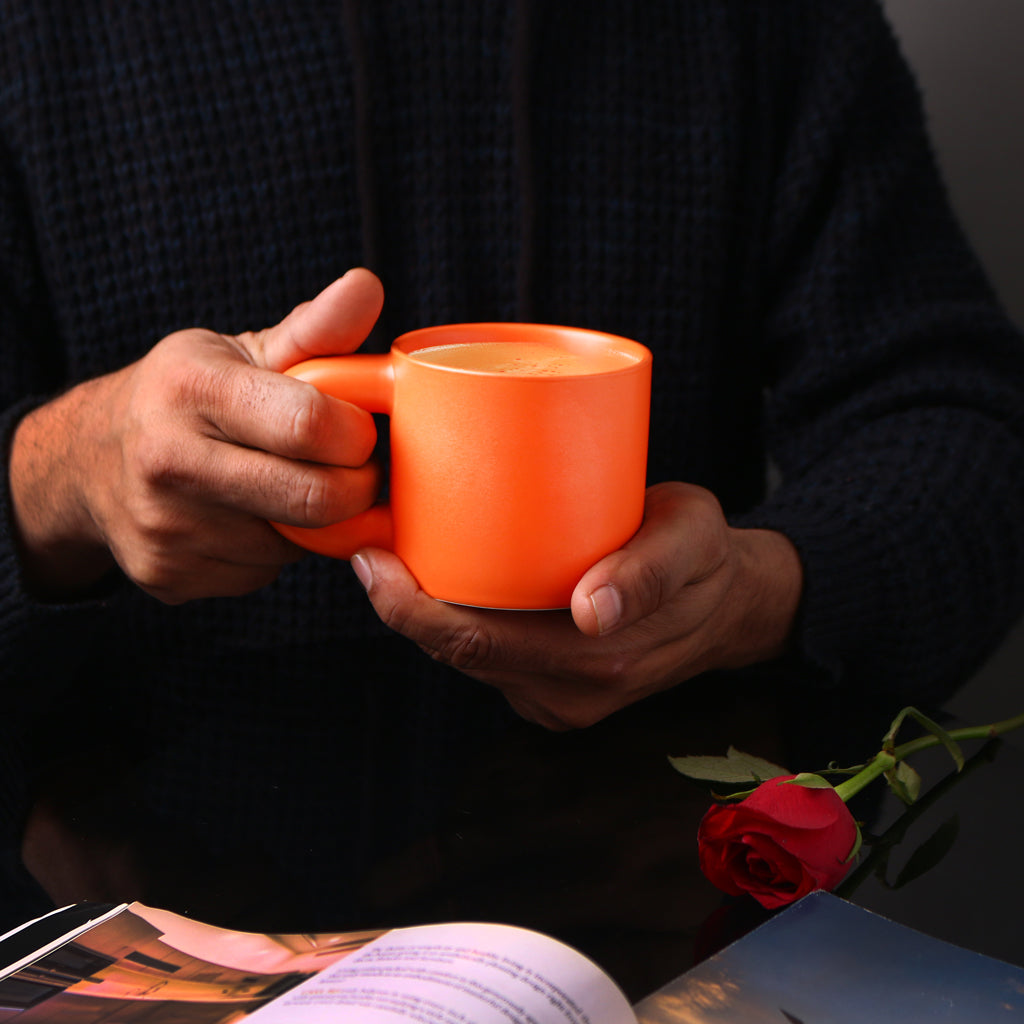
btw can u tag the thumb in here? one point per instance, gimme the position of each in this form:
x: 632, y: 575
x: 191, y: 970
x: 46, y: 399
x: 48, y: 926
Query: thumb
x: 680, y: 541
x: 336, y: 322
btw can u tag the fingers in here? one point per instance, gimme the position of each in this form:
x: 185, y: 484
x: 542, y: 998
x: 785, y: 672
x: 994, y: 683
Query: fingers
x: 262, y: 409
x: 489, y: 645
x: 227, y: 563
x: 446, y: 632
x: 198, y: 448
x: 336, y: 322
x: 547, y: 670
x: 683, y: 540
x: 631, y: 633
x: 685, y: 595
x: 260, y: 484
x: 203, y: 426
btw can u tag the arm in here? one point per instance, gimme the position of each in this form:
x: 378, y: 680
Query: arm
x: 895, y: 382
x: 171, y: 467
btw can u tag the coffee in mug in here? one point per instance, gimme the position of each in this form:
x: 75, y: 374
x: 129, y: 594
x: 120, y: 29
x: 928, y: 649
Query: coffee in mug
x: 521, y: 359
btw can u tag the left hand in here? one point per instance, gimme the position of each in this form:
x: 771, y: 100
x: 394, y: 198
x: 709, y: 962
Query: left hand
x: 687, y: 594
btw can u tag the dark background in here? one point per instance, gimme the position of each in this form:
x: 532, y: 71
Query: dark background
x: 965, y: 54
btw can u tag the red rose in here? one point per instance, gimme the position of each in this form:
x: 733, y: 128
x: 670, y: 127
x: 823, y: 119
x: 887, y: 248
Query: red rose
x: 780, y: 843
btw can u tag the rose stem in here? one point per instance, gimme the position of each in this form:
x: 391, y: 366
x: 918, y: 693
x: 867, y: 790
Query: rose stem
x: 885, y: 760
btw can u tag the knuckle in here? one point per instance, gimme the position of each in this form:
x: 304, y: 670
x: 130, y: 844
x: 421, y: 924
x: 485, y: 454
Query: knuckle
x: 708, y: 522
x: 651, y: 584
x: 189, y: 381
x: 309, y: 427
x: 158, y: 530
x: 159, y: 466
x: 466, y: 648
x: 321, y: 495
x: 313, y: 502
x: 253, y: 343
x: 715, y: 551
x: 155, y: 572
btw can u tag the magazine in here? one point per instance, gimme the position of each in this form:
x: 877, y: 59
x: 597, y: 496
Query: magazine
x: 826, y: 961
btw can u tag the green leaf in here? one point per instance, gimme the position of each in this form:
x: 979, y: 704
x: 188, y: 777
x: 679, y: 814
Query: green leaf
x: 889, y: 739
x: 929, y: 726
x: 905, y: 782
x: 736, y: 767
x: 810, y: 781
x: 930, y: 852
x: 734, y: 795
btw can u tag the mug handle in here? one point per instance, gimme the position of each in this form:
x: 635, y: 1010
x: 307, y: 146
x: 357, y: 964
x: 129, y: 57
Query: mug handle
x: 369, y: 382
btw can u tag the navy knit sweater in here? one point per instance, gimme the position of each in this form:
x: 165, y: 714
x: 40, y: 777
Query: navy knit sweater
x: 745, y: 188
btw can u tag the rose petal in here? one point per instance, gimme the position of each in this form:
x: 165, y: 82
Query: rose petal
x: 796, y: 805
x: 787, y: 879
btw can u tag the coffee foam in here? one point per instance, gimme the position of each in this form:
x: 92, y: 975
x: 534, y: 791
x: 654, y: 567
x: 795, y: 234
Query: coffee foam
x: 522, y: 359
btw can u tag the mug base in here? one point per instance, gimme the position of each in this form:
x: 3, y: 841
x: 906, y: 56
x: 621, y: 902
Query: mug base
x: 500, y: 608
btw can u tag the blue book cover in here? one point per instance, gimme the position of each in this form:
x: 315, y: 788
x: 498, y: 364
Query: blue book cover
x: 826, y: 961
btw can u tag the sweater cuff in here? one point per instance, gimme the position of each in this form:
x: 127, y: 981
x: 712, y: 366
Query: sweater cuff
x: 844, y: 595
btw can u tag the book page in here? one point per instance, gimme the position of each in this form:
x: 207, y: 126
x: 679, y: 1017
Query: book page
x: 456, y: 974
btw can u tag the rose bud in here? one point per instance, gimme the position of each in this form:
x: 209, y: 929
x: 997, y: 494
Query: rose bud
x: 780, y: 843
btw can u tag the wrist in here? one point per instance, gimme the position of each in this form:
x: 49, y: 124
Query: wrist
x: 61, y: 550
x: 767, y: 588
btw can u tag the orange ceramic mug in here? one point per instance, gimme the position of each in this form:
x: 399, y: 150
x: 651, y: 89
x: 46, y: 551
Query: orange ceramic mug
x: 518, y: 457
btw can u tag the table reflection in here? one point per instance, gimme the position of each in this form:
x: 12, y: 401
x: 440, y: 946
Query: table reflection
x: 589, y: 836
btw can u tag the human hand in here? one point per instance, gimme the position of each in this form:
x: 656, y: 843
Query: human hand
x: 172, y: 466
x: 687, y: 594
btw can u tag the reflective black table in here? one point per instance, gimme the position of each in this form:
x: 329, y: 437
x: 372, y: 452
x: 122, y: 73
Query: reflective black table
x: 974, y: 894
x: 591, y: 836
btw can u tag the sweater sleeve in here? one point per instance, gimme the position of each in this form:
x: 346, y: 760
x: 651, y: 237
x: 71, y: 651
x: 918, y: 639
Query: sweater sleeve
x: 40, y: 643
x: 37, y: 639
x: 895, y: 407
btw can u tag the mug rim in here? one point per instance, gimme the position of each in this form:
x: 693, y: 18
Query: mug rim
x: 636, y: 355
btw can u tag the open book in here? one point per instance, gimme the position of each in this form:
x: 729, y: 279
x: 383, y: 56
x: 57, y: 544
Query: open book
x: 135, y: 963
x: 821, y: 959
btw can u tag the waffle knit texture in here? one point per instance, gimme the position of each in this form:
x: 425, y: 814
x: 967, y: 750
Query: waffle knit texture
x: 745, y: 188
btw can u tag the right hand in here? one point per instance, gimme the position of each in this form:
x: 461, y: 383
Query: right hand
x: 172, y: 466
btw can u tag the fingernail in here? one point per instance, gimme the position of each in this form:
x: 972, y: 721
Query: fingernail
x: 364, y: 573
x: 607, y: 604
